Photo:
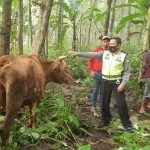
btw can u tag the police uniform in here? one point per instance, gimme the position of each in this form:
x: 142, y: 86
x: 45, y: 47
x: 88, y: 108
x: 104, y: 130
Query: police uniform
x: 113, y: 69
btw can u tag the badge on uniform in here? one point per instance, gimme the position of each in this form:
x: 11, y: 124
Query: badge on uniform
x: 118, y: 82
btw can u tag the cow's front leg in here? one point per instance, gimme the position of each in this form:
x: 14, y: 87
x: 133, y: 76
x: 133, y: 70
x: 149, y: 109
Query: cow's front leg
x: 36, y: 103
x: 29, y: 109
x: 32, y: 115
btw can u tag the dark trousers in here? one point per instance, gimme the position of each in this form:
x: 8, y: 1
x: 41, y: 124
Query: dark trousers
x: 108, y: 88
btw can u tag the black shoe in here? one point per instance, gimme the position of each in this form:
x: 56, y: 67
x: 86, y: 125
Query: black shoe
x: 102, y: 124
x: 129, y: 129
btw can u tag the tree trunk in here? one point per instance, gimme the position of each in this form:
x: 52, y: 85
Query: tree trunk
x: 146, y: 42
x: 128, y: 24
x: 60, y: 24
x: 106, y: 26
x: 112, y: 17
x: 80, y: 30
x: 6, y: 28
x: 30, y: 24
x: 42, y: 27
x: 122, y: 15
x: 46, y: 46
x: 20, y: 27
x: 74, y: 42
x: 90, y: 24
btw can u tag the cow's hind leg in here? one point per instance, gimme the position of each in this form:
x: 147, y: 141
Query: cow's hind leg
x: 11, y: 111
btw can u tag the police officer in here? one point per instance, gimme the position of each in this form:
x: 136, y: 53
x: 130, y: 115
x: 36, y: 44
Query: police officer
x: 115, y: 74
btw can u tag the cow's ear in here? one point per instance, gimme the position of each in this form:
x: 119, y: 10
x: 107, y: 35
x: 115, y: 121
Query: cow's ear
x: 62, y: 57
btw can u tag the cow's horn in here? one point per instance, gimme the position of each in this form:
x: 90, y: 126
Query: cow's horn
x: 62, y: 57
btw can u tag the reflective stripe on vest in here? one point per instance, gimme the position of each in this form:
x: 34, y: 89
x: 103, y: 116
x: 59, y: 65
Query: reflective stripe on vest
x: 113, y: 65
x: 110, y: 76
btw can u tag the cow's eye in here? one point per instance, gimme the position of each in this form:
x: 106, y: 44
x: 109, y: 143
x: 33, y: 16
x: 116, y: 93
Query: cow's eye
x: 65, y: 67
x: 54, y: 69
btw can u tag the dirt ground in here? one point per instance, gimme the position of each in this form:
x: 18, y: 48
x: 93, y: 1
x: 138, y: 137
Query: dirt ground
x: 100, y: 138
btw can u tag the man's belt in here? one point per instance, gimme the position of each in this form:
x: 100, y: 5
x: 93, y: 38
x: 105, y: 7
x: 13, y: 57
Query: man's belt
x: 111, y: 76
x: 98, y: 70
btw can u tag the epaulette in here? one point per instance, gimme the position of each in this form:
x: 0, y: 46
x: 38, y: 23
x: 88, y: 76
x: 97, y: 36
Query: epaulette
x: 124, y: 52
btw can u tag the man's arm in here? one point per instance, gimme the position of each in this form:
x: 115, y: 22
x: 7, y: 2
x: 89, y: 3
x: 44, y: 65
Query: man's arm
x: 126, y: 73
x: 87, y: 54
x: 90, y: 64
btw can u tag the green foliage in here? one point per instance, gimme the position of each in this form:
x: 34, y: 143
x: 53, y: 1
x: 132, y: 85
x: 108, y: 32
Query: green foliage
x: 73, y: 119
x: 124, y: 20
x: 133, y: 141
x: 55, y: 121
x: 139, y: 6
x: 63, y: 32
x: 66, y: 9
x: 74, y: 5
x: 87, y: 147
x: 77, y: 66
x: 139, y: 139
x: 72, y: 11
x: 143, y: 2
x: 85, y: 131
x: 142, y: 9
x: 15, y: 3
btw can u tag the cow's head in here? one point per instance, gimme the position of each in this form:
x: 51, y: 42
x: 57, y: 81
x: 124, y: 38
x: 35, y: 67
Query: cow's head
x: 60, y: 71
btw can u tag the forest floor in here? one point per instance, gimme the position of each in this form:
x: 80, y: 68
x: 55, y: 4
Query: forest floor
x: 100, y: 138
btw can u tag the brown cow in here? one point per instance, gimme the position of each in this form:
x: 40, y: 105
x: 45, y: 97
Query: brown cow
x: 22, y: 83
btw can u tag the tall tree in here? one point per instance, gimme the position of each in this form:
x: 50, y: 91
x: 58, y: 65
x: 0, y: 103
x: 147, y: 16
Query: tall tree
x: 30, y: 24
x: 5, y: 28
x: 20, y: 27
x: 122, y: 15
x: 60, y: 23
x: 128, y: 24
x: 106, y: 26
x: 46, y: 46
x: 112, y: 17
x: 80, y: 29
x: 73, y: 11
x: 42, y: 27
x: 90, y: 22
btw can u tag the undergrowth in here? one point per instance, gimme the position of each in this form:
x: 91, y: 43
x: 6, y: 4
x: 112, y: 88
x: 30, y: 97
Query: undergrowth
x: 57, y: 121
x: 138, y: 140
x: 57, y: 125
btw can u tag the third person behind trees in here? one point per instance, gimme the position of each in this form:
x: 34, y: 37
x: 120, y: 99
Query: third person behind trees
x: 146, y: 95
